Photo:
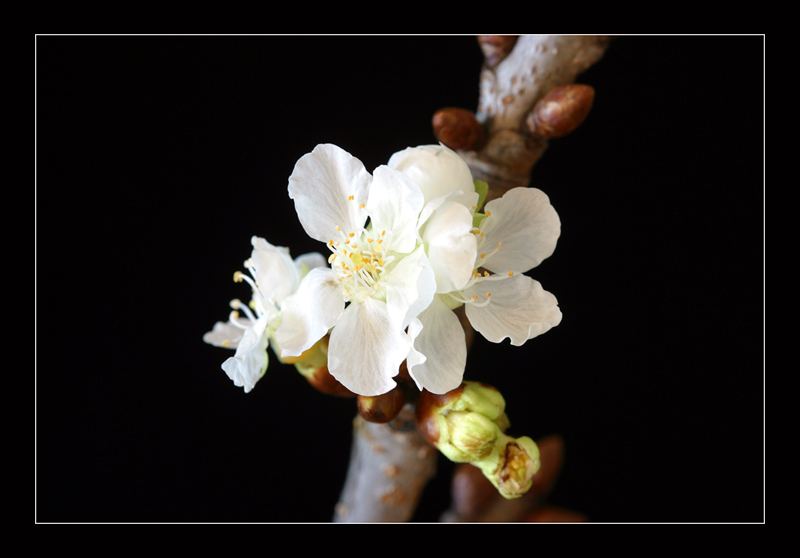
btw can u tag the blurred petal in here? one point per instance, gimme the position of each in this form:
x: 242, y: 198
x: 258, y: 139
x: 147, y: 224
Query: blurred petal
x: 226, y: 334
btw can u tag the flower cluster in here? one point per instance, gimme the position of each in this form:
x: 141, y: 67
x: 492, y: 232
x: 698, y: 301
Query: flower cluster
x: 408, y: 244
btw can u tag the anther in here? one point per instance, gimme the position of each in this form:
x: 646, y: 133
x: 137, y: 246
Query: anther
x: 237, y: 277
x: 351, y: 197
x: 510, y: 273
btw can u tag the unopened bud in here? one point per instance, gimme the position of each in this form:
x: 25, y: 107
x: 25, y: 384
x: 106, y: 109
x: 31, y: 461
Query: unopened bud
x: 457, y: 128
x: 313, y: 366
x: 471, y: 436
x: 464, y: 424
x: 511, y: 467
x: 381, y: 408
x: 561, y: 111
x: 467, y: 425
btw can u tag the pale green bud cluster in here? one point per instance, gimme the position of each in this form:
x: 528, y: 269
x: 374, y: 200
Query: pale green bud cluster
x: 470, y: 427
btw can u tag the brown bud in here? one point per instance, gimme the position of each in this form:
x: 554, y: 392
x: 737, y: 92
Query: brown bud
x: 561, y: 111
x: 381, y: 408
x: 322, y: 380
x: 496, y: 47
x: 457, y: 128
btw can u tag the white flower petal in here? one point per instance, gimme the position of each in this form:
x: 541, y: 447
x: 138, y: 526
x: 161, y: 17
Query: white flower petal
x: 306, y: 262
x: 227, y: 334
x: 250, y: 361
x: 366, y: 348
x: 394, y: 205
x: 308, y: 314
x: 518, y: 309
x: 410, y: 287
x: 437, y: 170
x: 451, y: 244
x: 443, y: 343
x: 414, y: 357
x: 527, y: 226
x: 329, y: 187
x: 274, y: 270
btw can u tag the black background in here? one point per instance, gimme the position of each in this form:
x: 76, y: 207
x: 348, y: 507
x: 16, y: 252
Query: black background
x: 158, y: 157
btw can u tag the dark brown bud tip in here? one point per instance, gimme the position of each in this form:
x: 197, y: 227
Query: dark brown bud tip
x: 457, y: 128
x: 561, y: 111
x: 496, y: 47
x: 381, y: 408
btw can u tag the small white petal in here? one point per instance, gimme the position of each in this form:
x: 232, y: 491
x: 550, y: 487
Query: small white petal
x: 442, y: 341
x: 250, y: 361
x: 437, y: 170
x: 527, y: 226
x: 328, y: 187
x: 451, y: 245
x: 366, y: 348
x: 518, y: 309
x: 308, y: 314
x: 226, y: 334
x: 394, y: 205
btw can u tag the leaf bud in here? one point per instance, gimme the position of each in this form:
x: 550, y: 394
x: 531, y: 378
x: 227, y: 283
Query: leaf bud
x: 561, y: 111
x: 381, y: 408
x: 457, y: 128
x: 313, y: 366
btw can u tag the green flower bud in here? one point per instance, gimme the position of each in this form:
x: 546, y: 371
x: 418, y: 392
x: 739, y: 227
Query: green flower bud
x: 471, y: 436
x: 467, y: 426
x: 511, y: 467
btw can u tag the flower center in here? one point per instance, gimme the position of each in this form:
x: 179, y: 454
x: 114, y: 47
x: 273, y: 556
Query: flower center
x: 359, y: 261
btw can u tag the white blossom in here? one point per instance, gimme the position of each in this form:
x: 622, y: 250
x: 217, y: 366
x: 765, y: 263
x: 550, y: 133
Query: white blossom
x: 395, y: 242
x: 273, y: 275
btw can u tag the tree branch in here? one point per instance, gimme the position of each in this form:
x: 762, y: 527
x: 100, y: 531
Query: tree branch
x: 390, y: 465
